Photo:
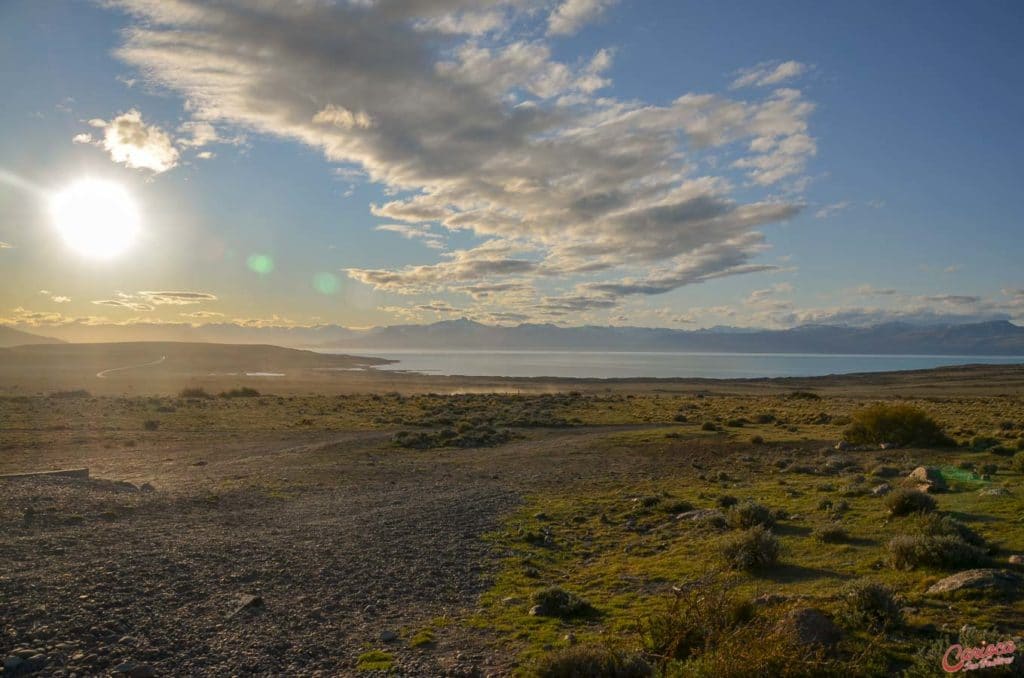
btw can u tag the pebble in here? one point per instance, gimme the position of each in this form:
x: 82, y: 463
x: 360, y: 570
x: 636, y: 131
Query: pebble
x: 388, y: 636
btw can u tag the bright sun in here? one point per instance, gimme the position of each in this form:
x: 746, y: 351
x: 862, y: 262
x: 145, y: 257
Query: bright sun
x: 96, y: 218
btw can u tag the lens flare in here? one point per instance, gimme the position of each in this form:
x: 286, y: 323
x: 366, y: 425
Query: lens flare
x: 260, y: 263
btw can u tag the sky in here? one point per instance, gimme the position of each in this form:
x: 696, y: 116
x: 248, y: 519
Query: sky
x: 610, y: 162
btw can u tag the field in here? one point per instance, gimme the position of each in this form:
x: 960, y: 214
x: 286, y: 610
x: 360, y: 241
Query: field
x: 274, y: 526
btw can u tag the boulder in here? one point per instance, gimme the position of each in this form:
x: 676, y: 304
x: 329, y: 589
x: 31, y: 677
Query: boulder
x: 881, y: 490
x: 842, y: 446
x: 813, y: 627
x: 982, y: 580
x: 926, y: 479
x: 994, y: 492
x: 1016, y: 560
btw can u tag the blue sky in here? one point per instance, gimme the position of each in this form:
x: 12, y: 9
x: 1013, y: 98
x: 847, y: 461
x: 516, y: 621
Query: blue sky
x: 676, y: 164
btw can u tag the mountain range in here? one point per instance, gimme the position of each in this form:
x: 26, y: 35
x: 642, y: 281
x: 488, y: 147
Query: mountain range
x: 985, y: 338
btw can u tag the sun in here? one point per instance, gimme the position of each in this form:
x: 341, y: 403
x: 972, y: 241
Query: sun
x: 96, y: 218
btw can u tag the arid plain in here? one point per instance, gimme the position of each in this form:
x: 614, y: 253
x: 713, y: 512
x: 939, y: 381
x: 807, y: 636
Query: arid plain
x: 342, y: 520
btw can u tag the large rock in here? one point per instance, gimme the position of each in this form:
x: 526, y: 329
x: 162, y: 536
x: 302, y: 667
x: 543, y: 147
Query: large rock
x: 982, y: 580
x: 813, y: 627
x: 926, y: 479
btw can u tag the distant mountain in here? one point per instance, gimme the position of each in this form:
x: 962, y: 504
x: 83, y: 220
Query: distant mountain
x: 12, y: 337
x: 986, y: 338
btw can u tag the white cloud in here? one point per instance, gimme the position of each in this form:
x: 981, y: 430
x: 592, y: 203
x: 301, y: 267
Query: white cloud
x: 495, y: 136
x: 571, y: 15
x: 6, y: 245
x: 420, y: 232
x: 129, y: 140
x: 831, y: 209
x: 769, y: 73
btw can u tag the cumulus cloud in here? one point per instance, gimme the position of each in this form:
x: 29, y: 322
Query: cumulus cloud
x: 769, y: 73
x: 130, y: 141
x: 485, y: 131
x: 571, y: 15
x: 55, y: 298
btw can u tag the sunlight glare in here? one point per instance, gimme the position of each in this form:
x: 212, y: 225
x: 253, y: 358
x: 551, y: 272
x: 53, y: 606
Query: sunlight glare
x: 97, y: 218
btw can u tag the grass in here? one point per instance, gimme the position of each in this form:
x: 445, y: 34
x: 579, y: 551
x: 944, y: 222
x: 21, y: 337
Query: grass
x: 375, y: 660
x: 617, y: 543
x: 626, y: 557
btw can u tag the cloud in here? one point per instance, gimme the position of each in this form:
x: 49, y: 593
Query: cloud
x: 202, y: 315
x: 952, y: 268
x: 831, y: 209
x: 6, y: 245
x: 717, y: 260
x: 55, y: 298
x: 871, y: 291
x: 129, y: 140
x: 415, y: 232
x: 493, y: 137
x: 571, y: 15
x: 176, y: 298
x: 769, y: 73
x: 124, y: 303
x: 493, y: 258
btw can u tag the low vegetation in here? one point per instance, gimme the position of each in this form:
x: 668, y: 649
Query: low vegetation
x: 752, y: 549
x: 899, y: 424
x: 904, y: 502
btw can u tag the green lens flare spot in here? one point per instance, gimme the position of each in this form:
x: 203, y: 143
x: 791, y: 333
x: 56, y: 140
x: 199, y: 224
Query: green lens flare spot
x: 260, y: 263
x: 325, y: 283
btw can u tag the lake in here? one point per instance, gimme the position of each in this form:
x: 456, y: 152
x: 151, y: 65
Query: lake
x: 622, y: 364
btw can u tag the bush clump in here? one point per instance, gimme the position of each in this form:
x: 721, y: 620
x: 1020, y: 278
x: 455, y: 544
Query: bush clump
x: 748, y: 514
x: 554, y: 601
x: 194, y: 392
x: 151, y: 424
x: 699, y: 612
x: 584, y: 661
x: 870, y: 606
x: 708, y: 426
x: 244, y: 392
x: 830, y: 534
x: 906, y: 501
x: 937, y: 541
x: 751, y: 549
x: 1018, y: 462
x: 902, y: 425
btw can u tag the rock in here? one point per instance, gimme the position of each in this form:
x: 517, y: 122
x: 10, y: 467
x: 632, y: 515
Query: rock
x: 388, y: 636
x: 134, y: 670
x: 813, y: 627
x: 842, y: 446
x: 982, y: 580
x: 887, y: 446
x: 994, y: 492
x: 1016, y: 560
x: 509, y: 601
x: 570, y: 639
x: 536, y: 611
x: 697, y: 515
x: 246, y: 601
x: 881, y: 490
x: 927, y: 479
x: 13, y: 663
x: 147, y: 487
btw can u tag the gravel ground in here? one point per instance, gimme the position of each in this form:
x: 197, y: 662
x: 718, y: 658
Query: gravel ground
x: 343, y: 540
x: 98, y: 576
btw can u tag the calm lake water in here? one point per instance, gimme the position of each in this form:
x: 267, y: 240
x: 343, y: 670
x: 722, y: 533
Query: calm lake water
x: 615, y: 364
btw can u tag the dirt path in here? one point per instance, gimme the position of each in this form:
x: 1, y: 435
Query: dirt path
x: 102, y: 374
